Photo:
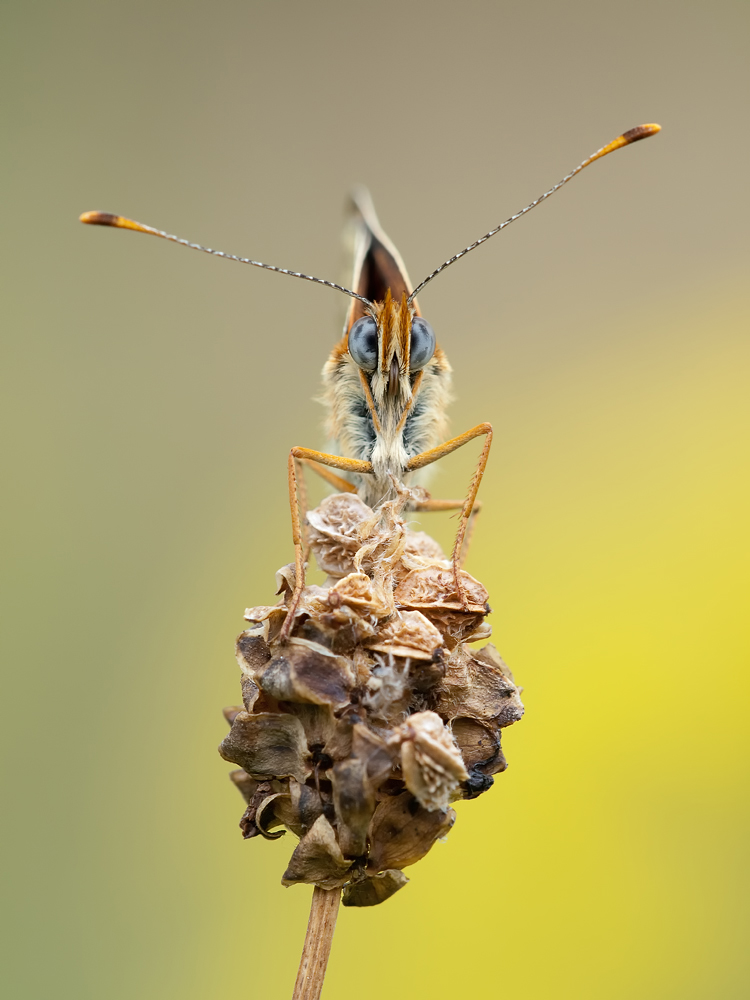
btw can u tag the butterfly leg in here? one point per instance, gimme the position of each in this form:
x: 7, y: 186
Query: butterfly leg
x: 333, y: 461
x: 428, y: 457
x: 440, y: 505
x: 302, y: 507
x: 342, y: 485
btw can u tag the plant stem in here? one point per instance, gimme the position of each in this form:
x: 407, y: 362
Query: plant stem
x: 320, y: 927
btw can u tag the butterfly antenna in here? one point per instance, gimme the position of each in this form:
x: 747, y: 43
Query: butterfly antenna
x: 632, y: 135
x: 119, y: 222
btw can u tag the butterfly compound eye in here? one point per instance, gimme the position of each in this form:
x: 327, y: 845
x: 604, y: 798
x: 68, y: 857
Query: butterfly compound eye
x: 422, y: 345
x: 363, y: 343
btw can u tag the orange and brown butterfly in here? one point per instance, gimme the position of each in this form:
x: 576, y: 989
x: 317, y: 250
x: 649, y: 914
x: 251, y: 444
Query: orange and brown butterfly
x: 387, y: 383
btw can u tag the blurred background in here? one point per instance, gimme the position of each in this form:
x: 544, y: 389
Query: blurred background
x: 150, y: 398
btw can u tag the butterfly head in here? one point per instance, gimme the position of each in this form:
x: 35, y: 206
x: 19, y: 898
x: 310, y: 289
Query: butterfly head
x: 391, y: 346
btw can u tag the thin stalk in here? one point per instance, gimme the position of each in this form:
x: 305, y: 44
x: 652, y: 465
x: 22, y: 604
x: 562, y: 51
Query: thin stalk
x: 320, y: 927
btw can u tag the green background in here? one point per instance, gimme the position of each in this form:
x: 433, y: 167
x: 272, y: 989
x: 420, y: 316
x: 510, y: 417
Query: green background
x: 150, y: 397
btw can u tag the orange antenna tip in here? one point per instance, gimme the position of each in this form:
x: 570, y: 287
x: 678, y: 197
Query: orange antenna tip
x: 632, y: 135
x: 641, y: 132
x: 98, y: 219
x: 118, y: 221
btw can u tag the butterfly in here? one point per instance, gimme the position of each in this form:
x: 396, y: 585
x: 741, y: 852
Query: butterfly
x: 386, y: 382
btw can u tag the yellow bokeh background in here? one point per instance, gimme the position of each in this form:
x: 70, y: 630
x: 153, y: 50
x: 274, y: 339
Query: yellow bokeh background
x: 150, y: 397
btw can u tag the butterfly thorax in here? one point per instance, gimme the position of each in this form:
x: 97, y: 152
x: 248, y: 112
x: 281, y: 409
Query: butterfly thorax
x: 390, y: 414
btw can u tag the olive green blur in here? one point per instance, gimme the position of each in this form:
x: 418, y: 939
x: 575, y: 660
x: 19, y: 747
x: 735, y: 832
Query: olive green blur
x: 150, y: 397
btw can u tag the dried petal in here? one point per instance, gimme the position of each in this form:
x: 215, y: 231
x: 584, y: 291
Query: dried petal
x: 252, y: 655
x: 252, y: 652
x: 317, y: 859
x: 513, y: 708
x: 286, y: 579
x: 269, y: 620
x: 372, y: 749
x: 306, y: 806
x: 334, y: 532
x: 354, y: 801
x: 402, y: 832
x: 419, y: 548
x: 276, y: 680
x: 431, y: 762
x: 308, y: 672
x: 339, y: 743
x: 479, y: 746
x: 373, y: 889
x: 435, y: 587
x: 408, y: 633
x: 424, y: 677
x: 482, y: 631
x: 318, y: 721
x: 458, y: 626
x: 247, y: 822
x: 478, y: 685
x: 265, y: 816
x: 267, y: 746
x: 312, y: 603
x: 342, y: 628
x: 250, y: 692
x: 358, y: 591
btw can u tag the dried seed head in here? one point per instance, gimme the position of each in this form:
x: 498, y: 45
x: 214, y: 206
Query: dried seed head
x: 358, y: 732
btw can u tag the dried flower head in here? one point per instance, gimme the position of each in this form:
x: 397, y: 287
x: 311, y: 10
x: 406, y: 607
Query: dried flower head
x: 358, y: 732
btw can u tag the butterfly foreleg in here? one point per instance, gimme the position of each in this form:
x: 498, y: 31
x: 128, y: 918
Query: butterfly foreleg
x: 442, y: 505
x: 468, y: 505
x: 342, y: 485
x: 298, y: 500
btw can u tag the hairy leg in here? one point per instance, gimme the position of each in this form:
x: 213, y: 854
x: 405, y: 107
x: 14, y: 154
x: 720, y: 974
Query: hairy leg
x: 342, y: 485
x: 441, y: 505
x: 428, y: 457
x: 334, y: 461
